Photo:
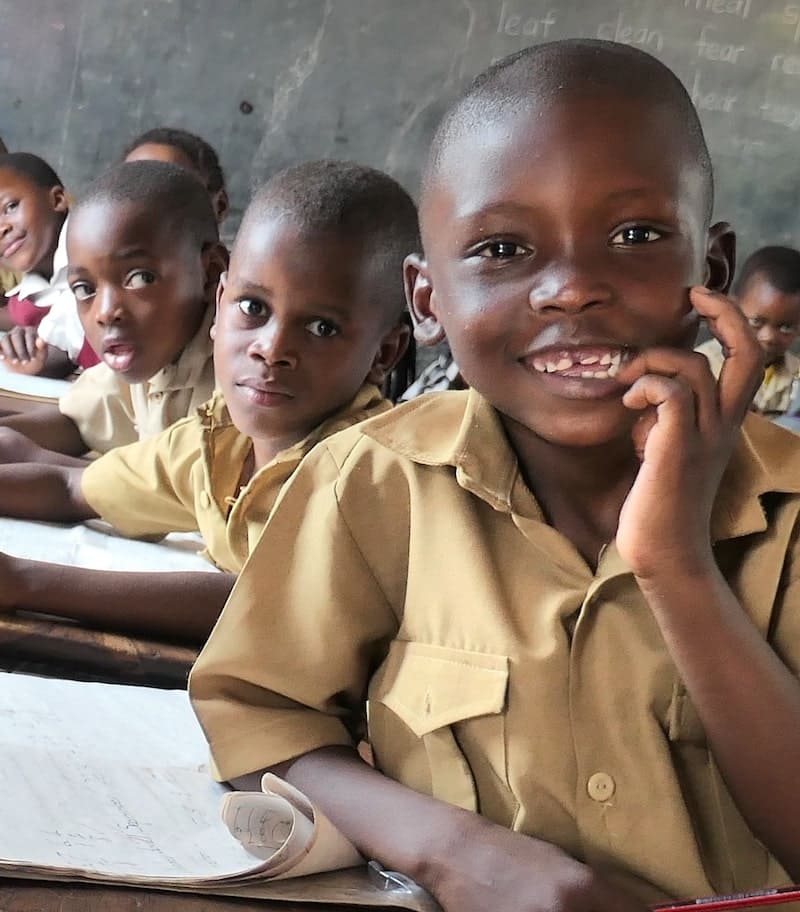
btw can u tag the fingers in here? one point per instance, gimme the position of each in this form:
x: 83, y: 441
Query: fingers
x: 742, y: 370
x: 671, y: 377
x: 23, y: 352
x: 21, y: 345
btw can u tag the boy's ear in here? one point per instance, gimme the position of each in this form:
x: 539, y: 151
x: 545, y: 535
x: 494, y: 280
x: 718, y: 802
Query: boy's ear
x: 392, y: 348
x: 419, y: 292
x: 221, y: 205
x: 215, y: 261
x: 720, y: 257
x: 223, y: 276
x: 58, y: 199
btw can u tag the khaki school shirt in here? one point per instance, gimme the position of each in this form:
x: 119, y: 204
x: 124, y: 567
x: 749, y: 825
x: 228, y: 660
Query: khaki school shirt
x: 188, y: 477
x: 110, y: 412
x: 407, y: 561
x: 775, y: 393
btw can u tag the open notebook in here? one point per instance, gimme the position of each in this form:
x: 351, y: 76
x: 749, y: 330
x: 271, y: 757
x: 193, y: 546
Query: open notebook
x: 34, y: 389
x: 96, y: 546
x: 110, y: 783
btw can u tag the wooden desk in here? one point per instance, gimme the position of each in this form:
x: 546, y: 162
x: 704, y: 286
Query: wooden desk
x: 61, y: 649
x: 338, y: 891
x: 35, y: 896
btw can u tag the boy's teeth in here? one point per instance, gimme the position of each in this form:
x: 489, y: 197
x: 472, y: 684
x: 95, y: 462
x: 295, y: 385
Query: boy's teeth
x: 608, y: 365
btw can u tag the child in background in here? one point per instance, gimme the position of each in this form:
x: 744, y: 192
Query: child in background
x: 308, y: 326
x: 768, y: 293
x: 8, y: 279
x: 144, y: 260
x: 182, y: 148
x: 33, y: 212
x: 570, y: 593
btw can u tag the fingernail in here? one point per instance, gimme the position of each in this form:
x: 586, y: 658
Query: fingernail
x: 702, y: 289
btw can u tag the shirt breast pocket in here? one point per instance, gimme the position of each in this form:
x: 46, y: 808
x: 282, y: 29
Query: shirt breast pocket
x: 437, y: 724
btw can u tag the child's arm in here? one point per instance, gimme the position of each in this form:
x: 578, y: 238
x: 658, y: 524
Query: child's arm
x: 181, y: 605
x: 47, y: 428
x: 747, y: 699
x: 178, y: 605
x: 466, y: 862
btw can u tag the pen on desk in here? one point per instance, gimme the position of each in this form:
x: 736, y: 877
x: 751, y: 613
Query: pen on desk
x: 770, y: 897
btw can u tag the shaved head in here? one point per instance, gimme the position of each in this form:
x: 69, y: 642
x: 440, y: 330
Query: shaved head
x: 545, y: 74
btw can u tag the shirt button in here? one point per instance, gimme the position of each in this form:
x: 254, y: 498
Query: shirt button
x: 205, y: 500
x: 600, y: 787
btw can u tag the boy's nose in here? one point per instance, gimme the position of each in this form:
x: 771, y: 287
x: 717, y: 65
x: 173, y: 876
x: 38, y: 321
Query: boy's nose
x: 567, y: 289
x: 273, y: 346
x: 108, y: 307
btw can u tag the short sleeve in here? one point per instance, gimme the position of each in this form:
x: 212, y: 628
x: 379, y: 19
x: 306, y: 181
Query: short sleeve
x: 287, y: 667
x: 62, y: 326
x: 100, y: 405
x: 146, y: 488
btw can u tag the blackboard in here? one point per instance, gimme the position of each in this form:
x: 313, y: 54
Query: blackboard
x: 273, y: 82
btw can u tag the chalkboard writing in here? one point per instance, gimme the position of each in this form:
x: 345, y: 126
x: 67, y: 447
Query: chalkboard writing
x: 272, y: 82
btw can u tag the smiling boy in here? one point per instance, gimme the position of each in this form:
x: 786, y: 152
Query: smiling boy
x: 569, y: 593
x: 308, y: 325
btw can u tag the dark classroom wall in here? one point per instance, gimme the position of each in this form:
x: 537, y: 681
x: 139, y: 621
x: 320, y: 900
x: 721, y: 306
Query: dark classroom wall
x: 272, y: 82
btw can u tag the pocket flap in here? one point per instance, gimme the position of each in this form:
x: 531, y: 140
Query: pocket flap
x: 430, y: 687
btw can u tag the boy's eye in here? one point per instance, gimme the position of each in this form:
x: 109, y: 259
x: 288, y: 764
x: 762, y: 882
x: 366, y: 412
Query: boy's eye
x: 82, y: 291
x: 10, y: 206
x: 755, y: 322
x: 139, y: 278
x: 501, y: 250
x: 636, y: 234
x: 252, y: 307
x: 787, y: 328
x: 322, y: 328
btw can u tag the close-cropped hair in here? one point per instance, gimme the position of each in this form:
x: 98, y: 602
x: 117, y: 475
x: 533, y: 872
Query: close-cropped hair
x: 355, y: 202
x: 170, y: 192
x: 780, y: 266
x: 202, y: 155
x: 579, y: 67
x: 31, y: 166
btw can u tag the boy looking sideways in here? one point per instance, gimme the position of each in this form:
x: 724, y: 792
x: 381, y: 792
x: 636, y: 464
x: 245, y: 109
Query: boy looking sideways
x: 308, y: 326
x: 525, y: 579
x: 144, y: 260
x: 767, y: 291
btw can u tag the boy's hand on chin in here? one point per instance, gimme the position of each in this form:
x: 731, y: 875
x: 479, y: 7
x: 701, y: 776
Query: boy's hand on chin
x: 23, y: 352
x: 504, y: 871
x: 684, y: 437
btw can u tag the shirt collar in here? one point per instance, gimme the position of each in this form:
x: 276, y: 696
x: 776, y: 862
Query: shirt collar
x: 367, y: 403
x: 463, y: 430
x: 188, y: 369
x: 460, y: 429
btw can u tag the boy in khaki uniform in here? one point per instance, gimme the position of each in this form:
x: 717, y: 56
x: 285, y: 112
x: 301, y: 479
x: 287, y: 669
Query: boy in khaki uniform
x: 147, y: 314
x: 309, y: 323
x: 767, y: 291
x: 563, y: 617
